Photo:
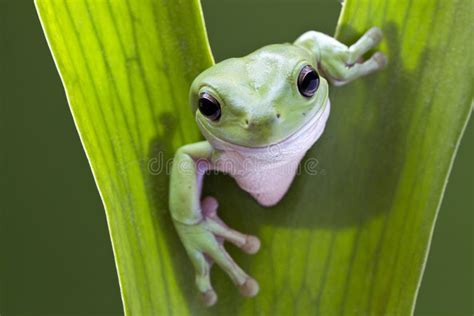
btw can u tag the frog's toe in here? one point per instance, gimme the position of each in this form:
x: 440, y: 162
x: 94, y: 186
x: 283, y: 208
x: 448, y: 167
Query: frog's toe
x: 247, y: 285
x: 375, y: 34
x: 380, y: 58
x: 203, y: 279
x: 252, y: 245
x: 209, y: 297
x: 214, y: 251
x: 249, y: 244
x: 249, y: 288
x: 209, y: 207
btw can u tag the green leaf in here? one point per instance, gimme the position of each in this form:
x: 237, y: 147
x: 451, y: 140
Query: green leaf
x: 126, y: 66
x: 352, y: 235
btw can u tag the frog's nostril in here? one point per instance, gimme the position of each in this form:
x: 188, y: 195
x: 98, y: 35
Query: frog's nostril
x: 261, y: 120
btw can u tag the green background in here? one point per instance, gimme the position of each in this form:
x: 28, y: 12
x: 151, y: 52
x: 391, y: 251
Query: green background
x: 55, y: 256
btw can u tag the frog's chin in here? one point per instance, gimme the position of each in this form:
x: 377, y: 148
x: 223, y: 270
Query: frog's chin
x: 313, y: 119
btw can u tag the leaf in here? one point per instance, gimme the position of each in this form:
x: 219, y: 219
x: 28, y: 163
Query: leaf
x: 126, y: 66
x: 352, y: 235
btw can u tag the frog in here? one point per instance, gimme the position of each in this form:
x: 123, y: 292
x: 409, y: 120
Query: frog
x: 259, y: 115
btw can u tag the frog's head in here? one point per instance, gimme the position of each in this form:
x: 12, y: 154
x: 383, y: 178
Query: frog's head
x: 259, y: 99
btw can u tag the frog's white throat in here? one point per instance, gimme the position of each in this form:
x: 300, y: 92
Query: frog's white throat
x: 267, y: 172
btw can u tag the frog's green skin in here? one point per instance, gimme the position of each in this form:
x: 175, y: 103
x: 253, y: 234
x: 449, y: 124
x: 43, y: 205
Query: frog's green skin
x: 260, y: 106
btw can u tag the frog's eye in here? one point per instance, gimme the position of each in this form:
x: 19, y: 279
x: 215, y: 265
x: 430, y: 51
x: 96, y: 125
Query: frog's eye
x: 308, y: 81
x: 209, y: 106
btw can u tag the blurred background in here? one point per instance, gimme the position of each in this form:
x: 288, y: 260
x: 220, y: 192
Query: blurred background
x: 56, y: 256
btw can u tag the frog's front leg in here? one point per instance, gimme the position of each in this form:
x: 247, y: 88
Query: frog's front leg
x: 199, y: 227
x: 339, y: 63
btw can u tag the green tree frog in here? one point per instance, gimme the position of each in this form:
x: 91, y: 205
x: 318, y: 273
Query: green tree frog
x: 259, y: 115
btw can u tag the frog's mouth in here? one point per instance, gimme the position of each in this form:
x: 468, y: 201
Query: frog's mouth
x: 304, y: 134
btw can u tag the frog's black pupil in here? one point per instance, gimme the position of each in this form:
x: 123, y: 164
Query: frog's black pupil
x: 209, y: 106
x: 308, y: 81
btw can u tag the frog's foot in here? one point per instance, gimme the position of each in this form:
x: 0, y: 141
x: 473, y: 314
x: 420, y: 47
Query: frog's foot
x: 350, y: 65
x: 369, y: 40
x: 204, y: 244
x: 347, y: 73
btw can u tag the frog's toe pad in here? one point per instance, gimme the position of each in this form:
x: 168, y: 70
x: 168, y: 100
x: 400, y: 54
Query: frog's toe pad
x: 209, y: 206
x: 380, y: 59
x: 252, y: 245
x: 376, y: 34
x: 249, y: 288
x: 209, y: 297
